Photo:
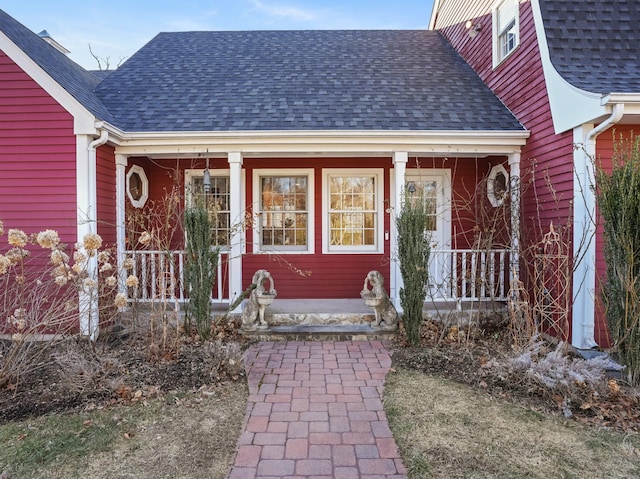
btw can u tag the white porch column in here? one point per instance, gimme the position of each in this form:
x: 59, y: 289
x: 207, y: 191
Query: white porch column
x: 584, y: 244
x: 400, y: 159
x: 87, y: 204
x: 237, y: 222
x: 514, y: 189
x: 121, y: 165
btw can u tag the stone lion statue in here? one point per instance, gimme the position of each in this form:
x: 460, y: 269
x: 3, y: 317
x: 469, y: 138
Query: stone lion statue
x: 259, y: 299
x: 386, y: 316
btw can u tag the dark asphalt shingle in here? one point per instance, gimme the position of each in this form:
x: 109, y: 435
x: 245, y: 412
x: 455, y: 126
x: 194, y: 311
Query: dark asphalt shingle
x: 300, y: 80
x: 72, y: 77
x: 595, y: 44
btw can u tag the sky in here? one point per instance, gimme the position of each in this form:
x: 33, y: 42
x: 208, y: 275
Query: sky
x: 116, y: 29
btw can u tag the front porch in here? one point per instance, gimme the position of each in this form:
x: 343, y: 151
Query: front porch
x: 332, y: 218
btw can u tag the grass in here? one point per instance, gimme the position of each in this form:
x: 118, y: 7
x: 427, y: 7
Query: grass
x: 447, y: 430
x: 443, y: 429
x: 186, y: 436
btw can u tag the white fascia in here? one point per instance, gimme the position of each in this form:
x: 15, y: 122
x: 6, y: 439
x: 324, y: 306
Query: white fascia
x: 84, y: 120
x: 570, y: 106
x: 434, y: 14
x: 320, y: 143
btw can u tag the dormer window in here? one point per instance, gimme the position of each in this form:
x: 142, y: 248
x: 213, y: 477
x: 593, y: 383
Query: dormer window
x: 505, y: 29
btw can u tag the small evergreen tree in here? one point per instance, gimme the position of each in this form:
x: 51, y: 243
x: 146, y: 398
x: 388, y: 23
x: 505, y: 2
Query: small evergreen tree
x: 619, y: 203
x: 414, y: 249
x: 200, y: 268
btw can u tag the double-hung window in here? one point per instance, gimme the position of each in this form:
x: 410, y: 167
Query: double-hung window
x: 353, y: 212
x: 283, y: 207
x: 505, y: 29
x: 216, y: 201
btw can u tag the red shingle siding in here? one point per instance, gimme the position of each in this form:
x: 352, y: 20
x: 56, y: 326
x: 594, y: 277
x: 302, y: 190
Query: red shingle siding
x: 37, y: 157
x: 106, y: 193
x: 328, y: 275
x: 547, y: 159
x: 325, y: 275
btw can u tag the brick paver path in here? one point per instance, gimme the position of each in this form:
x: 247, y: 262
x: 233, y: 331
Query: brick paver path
x: 315, y: 411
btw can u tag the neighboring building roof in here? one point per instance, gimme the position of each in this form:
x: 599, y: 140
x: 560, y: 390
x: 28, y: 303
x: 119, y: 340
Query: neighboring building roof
x: 301, y: 80
x: 595, y: 44
x: 68, y: 74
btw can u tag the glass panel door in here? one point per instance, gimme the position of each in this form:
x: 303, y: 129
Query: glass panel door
x: 435, y: 190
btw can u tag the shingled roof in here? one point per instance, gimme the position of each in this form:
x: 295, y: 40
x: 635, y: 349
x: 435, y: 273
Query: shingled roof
x: 68, y: 74
x: 300, y: 80
x: 595, y: 44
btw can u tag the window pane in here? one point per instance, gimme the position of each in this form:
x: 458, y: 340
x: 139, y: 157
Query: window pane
x: 427, y: 191
x: 283, y: 211
x: 352, y: 211
x: 217, y: 204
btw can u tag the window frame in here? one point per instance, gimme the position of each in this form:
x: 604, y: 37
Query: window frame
x: 190, y: 174
x: 378, y: 175
x: 498, y: 57
x: 260, y: 173
x: 494, y: 199
x: 144, y: 184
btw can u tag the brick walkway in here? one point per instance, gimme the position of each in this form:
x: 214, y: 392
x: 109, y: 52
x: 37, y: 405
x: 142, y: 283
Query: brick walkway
x: 315, y: 412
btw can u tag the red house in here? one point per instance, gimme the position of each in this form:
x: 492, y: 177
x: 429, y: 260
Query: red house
x: 312, y: 135
x: 569, y: 71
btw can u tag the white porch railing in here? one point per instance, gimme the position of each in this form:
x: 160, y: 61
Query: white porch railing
x: 466, y: 275
x: 161, y: 276
x: 461, y: 275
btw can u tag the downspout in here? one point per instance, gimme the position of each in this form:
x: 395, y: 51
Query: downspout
x: 89, y: 317
x: 588, y: 321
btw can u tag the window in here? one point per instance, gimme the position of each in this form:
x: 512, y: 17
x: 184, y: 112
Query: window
x: 137, y: 186
x: 282, y: 201
x: 427, y: 191
x: 353, y: 214
x: 497, y: 185
x: 217, y: 202
x: 505, y: 29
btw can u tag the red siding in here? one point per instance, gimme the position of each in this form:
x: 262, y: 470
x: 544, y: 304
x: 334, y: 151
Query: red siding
x: 547, y: 159
x: 327, y: 275
x: 106, y: 194
x: 37, y: 157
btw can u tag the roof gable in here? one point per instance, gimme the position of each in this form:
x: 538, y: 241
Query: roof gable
x: 69, y: 75
x: 594, y: 45
x: 300, y: 80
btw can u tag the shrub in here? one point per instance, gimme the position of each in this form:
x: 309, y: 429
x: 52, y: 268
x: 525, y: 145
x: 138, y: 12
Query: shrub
x: 45, y: 288
x: 619, y: 204
x: 200, y: 268
x: 413, y: 253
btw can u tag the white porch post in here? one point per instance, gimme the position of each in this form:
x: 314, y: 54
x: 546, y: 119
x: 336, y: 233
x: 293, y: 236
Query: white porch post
x: 121, y: 165
x: 400, y: 159
x: 584, y: 243
x: 514, y: 189
x: 237, y: 221
x: 87, y: 201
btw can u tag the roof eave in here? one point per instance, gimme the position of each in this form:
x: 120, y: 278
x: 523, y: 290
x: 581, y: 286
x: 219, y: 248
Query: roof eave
x: 320, y: 142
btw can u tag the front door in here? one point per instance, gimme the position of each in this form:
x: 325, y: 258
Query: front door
x: 435, y: 188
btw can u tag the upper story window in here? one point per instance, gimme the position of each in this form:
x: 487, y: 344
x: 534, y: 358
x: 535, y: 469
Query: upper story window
x: 505, y: 29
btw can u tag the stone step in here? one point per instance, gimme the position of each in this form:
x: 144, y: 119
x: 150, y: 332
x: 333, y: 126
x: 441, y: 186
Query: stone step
x: 327, y: 332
